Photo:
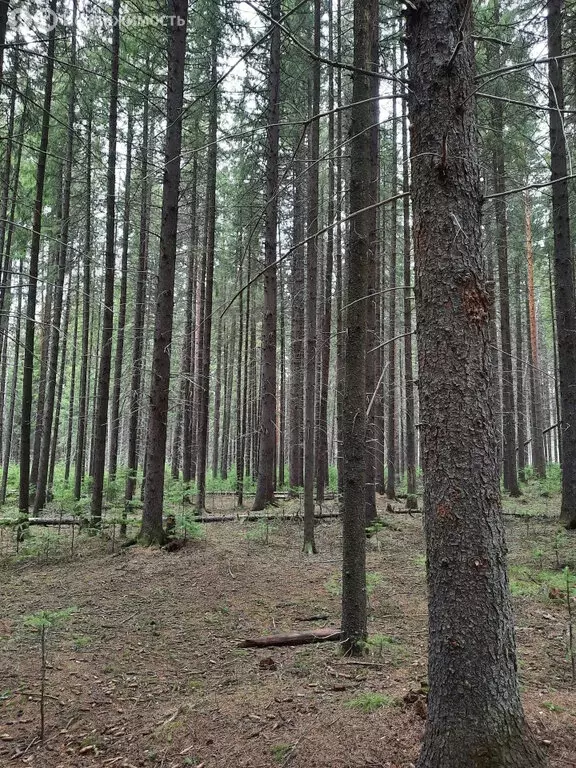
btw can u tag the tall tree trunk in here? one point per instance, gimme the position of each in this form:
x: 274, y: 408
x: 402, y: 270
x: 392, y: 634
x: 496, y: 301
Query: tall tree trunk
x: 538, y: 453
x: 188, y: 370
x: 83, y: 390
x: 500, y: 210
x: 12, y: 407
x: 152, y: 531
x: 28, y: 362
x: 326, y: 305
x: 217, y: 401
x: 71, y: 408
x: 410, y: 439
x: 60, y: 385
x: 475, y: 717
x: 242, y: 423
x: 364, y: 162
x: 119, y: 354
x: 4, y: 6
x: 100, y: 429
x: 206, y: 325
x: 520, y: 368
x: 52, y: 370
x: 296, y: 396
x: 565, y: 300
x: 311, y: 295
x: 268, y: 426
x: 392, y: 437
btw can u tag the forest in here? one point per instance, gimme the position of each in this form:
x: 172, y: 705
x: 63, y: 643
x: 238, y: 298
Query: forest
x: 287, y: 383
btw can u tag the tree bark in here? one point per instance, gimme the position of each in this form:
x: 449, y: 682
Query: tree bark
x: 28, y: 361
x: 206, y: 306
x: 364, y: 162
x: 312, y: 249
x: 565, y: 299
x: 268, y: 426
x: 475, y: 717
x: 86, y: 289
x: 119, y: 354
x: 152, y: 531
x: 536, y: 420
x: 100, y: 429
x: 391, y: 436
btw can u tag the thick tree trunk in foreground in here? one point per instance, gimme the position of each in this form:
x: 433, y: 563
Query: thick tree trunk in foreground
x: 475, y: 717
x: 268, y: 426
x: 152, y: 531
x: 564, y: 296
x: 364, y: 161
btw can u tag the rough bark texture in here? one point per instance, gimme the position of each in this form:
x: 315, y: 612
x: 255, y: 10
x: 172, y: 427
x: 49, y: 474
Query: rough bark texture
x: 151, y: 531
x: 475, y: 717
x: 265, y: 486
x: 364, y: 160
x: 564, y: 296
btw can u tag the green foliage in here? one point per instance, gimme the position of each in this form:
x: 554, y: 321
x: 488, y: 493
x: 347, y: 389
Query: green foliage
x: 281, y: 751
x: 370, y: 702
x: 260, y: 531
x: 189, y: 526
x: 528, y: 582
x: 48, y: 619
x: 334, y: 583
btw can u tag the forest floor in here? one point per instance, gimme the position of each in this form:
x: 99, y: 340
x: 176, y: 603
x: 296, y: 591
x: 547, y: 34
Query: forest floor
x: 148, y: 672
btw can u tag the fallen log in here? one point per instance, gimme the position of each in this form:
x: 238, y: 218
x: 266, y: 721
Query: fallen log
x: 42, y: 521
x: 293, y: 638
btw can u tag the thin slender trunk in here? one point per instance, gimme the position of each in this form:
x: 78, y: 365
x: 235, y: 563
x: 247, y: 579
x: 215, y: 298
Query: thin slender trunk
x: 83, y: 389
x: 60, y: 388
x: 11, y: 408
x: 392, y: 437
x: 71, y: 410
x: 28, y: 362
x: 268, y: 394
x: 538, y: 453
x: 206, y: 326
x: 119, y: 355
x: 100, y: 430
x: 312, y: 250
x: 410, y: 435
x: 52, y: 370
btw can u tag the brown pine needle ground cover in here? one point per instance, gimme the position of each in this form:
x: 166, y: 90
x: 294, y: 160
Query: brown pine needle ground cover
x: 148, y: 671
